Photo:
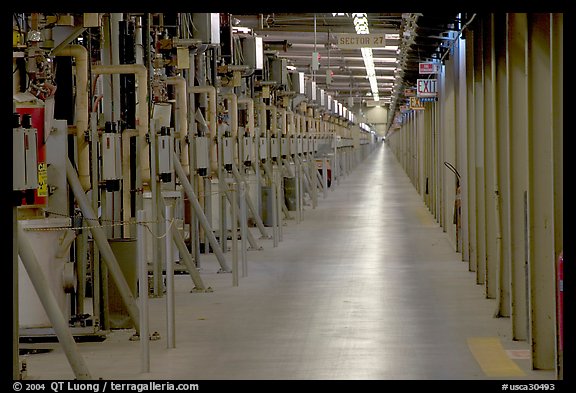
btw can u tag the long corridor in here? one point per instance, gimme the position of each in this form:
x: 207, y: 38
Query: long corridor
x: 367, y: 286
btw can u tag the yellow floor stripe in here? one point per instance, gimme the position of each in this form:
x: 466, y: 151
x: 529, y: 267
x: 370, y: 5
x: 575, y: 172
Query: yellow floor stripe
x: 492, y: 358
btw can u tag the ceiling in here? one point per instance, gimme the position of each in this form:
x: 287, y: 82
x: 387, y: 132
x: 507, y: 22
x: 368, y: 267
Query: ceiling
x: 410, y: 38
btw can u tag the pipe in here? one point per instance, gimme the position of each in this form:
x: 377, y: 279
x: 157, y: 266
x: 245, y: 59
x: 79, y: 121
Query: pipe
x: 251, y: 238
x: 284, y: 129
x: 243, y: 227
x: 234, y: 236
x: 201, y: 216
x: 80, y: 55
x: 103, y: 245
x: 170, y: 315
x: 263, y: 119
x: 143, y: 293
x: 50, y: 304
x: 233, y: 111
x: 273, y: 122
x: 181, y: 115
x: 15, y: 298
x: 211, y: 91
x: 250, y: 110
x: 255, y: 213
x: 290, y: 128
x: 299, y: 123
x: 186, y: 257
x: 141, y: 74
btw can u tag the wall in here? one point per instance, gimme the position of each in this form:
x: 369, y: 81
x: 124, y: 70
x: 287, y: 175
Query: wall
x: 498, y: 120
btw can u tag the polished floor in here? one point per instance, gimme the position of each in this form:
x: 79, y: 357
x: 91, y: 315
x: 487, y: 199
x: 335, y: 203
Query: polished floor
x: 367, y: 286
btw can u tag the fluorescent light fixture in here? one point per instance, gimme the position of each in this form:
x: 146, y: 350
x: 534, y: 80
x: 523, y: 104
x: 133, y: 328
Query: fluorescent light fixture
x: 240, y: 29
x: 361, y: 26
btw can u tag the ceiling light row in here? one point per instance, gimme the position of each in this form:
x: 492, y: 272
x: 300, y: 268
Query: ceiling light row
x: 361, y: 26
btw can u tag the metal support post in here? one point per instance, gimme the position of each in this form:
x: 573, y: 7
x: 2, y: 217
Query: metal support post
x: 297, y: 189
x: 301, y: 191
x: 274, y: 212
x: 201, y: 217
x: 279, y: 204
x: 252, y: 207
x: 208, y: 209
x: 325, y: 176
x: 143, y: 293
x: 102, y: 242
x: 81, y: 257
x: 96, y: 284
x: 15, y: 309
x: 170, y: 317
x: 243, y: 228
x: 186, y: 256
x: 253, y: 244
x: 234, y: 234
x: 155, y: 196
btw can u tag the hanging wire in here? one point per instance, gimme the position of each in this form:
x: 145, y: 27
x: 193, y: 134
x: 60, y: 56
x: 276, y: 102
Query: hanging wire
x: 315, y: 53
x: 454, y: 170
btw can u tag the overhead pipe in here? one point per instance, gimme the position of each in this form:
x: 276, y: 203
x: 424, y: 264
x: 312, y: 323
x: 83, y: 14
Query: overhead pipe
x: 80, y: 55
x: 103, y: 245
x: 50, y: 304
x: 212, y: 154
x: 181, y: 109
x: 141, y: 74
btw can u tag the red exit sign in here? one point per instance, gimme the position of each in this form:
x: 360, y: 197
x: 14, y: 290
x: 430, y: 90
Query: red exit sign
x: 429, y: 68
x: 426, y: 88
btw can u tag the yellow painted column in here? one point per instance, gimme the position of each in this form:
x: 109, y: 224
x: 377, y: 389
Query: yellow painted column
x: 503, y: 166
x: 471, y: 152
x: 479, y: 156
x: 491, y: 209
x: 516, y: 43
x: 557, y: 44
x: 542, y: 258
x: 448, y: 127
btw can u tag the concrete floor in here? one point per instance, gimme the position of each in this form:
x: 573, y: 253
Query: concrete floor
x: 367, y: 286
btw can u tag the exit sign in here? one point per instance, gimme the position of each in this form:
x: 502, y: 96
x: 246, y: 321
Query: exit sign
x: 426, y: 88
x: 428, y: 68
